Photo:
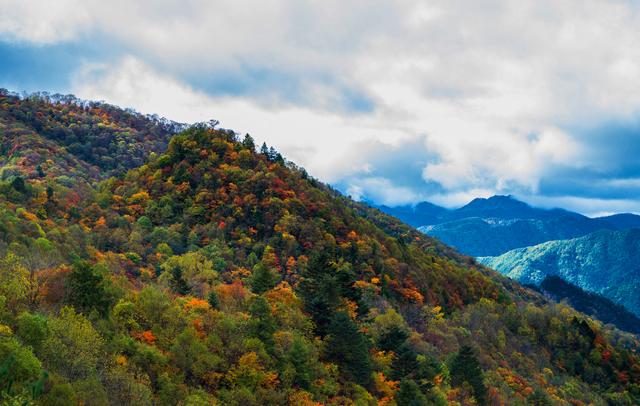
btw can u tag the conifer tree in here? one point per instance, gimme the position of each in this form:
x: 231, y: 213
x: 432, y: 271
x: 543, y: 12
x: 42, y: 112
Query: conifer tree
x: 349, y: 348
x: 465, y: 367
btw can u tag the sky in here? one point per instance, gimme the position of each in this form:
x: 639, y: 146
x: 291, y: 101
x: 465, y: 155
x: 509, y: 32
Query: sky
x: 392, y: 102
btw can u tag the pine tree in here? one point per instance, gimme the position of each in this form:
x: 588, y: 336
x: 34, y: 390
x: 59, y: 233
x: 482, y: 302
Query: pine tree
x: 405, y: 362
x: 263, y: 279
x: 87, y: 290
x: 213, y: 300
x: 264, y: 150
x: 349, y: 348
x: 177, y: 282
x: 465, y: 367
x: 409, y: 394
x: 262, y: 323
x: 248, y: 143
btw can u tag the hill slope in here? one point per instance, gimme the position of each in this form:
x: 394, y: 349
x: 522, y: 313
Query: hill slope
x: 213, y: 273
x: 589, y: 303
x: 604, y: 262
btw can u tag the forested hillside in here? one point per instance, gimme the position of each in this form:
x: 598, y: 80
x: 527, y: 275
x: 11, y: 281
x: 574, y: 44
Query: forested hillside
x: 218, y: 274
x: 604, y: 262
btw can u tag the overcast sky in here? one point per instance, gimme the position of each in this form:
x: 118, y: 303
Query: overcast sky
x: 391, y: 101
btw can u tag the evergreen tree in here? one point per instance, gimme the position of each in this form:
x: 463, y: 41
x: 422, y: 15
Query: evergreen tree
x: 262, y: 323
x: 264, y: 150
x: 300, y: 358
x: 465, y: 367
x: 248, y: 143
x: 18, y: 184
x: 320, y: 290
x: 87, y: 290
x: 409, y: 394
x: 392, y: 339
x: 213, y: 300
x: 262, y: 280
x: 177, y: 282
x: 405, y: 362
x: 349, y: 348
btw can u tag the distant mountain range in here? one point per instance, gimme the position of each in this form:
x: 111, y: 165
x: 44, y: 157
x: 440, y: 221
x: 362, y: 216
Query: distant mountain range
x: 493, y: 226
x: 604, y: 262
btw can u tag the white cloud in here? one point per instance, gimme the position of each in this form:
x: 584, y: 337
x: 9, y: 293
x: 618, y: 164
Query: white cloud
x: 43, y: 21
x: 488, y: 85
x: 326, y: 143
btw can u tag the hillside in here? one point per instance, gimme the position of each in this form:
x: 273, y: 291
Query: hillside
x: 603, y: 262
x: 592, y: 304
x: 216, y: 274
x: 493, y: 226
x: 57, y: 135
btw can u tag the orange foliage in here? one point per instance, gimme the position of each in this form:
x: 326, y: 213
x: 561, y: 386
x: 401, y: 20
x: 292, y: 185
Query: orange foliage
x: 148, y: 337
x: 195, y: 303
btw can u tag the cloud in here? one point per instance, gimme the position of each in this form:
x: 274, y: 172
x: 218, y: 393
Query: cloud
x: 467, y: 98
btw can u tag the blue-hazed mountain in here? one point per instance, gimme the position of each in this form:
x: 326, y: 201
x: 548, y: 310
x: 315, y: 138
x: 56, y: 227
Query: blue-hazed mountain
x: 604, y: 262
x: 419, y: 215
x: 493, y: 226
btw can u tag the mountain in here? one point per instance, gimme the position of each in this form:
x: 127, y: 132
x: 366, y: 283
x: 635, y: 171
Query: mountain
x: 505, y: 207
x: 418, y: 215
x: 492, y: 236
x: 622, y: 221
x: 493, y: 226
x: 589, y: 303
x: 604, y: 262
x: 216, y: 274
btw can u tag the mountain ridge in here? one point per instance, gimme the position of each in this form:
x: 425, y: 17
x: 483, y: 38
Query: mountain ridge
x: 495, y: 225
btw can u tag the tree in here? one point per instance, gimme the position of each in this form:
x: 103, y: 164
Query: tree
x: 248, y: 143
x: 212, y: 298
x: 392, y: 339
x: 18, y: 184
x: 349, y: 348
x: 264, y: 150
x: 405, y: 362
x: 177, y: 282
x: 262, y: 279
x: 465, y: 367
x: 300, y: 357
x: 73, y: 346
x: 19, y: 368
x: 87, y: 289
x: 409, y: 394
x: 262, y: 323
x: 15, y: 283
x: 32, y: 329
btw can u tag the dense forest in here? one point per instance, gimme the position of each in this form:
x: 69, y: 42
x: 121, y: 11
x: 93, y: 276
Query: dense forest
x: 146, y: 263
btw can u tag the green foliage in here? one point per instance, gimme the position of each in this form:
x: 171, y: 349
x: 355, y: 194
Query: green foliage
x: 32, y: 329
x: 87, y: 289
x: 349, y: 348
x: 465, y: 367
x: 73, y: 346
x: 262, y: 280
x: 409, y: 394
x: 19, y: 368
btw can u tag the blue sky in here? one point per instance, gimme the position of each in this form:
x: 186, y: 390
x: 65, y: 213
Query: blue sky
x: 394, y: 102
